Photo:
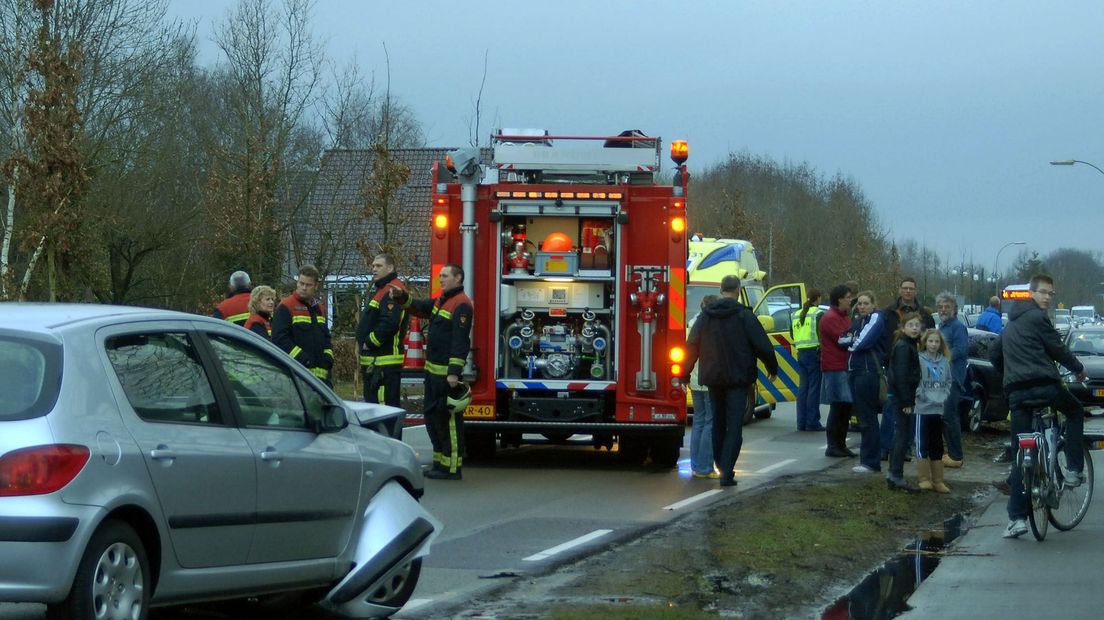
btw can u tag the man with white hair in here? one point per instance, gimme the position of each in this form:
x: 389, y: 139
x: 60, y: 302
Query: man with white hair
x: 235, y: 308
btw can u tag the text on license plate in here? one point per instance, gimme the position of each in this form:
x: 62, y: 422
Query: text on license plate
x: 1098, y: 392
x: 479, y: 411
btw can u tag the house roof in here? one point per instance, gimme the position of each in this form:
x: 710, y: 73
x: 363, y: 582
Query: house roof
x: 328, y: 229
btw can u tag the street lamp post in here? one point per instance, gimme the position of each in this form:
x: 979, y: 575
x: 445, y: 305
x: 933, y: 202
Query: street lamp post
x: 1070, y: 162
x: 996, y: 263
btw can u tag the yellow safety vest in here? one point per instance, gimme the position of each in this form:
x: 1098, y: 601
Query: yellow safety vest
x: 806, y: 334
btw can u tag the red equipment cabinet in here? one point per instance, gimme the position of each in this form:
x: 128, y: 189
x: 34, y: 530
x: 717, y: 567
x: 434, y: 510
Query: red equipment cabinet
x: 585, y: 340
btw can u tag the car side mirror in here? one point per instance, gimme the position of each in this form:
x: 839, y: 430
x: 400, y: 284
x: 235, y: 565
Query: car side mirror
x: 333, y: 419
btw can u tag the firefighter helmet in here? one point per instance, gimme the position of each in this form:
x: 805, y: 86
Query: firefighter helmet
x: 556, y: 242
x: 459, y: 396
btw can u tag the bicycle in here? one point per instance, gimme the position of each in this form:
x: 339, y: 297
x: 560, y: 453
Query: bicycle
x: 1042, y: 461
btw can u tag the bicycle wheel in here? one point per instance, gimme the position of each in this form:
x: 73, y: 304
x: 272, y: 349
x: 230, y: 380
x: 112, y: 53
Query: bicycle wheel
x: 1036, y: 483
x: 1073, y: 503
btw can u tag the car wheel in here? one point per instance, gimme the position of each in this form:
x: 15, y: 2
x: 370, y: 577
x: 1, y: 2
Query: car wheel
x: 113, y: 578
x: 398, y: 588
x: 977, y: 410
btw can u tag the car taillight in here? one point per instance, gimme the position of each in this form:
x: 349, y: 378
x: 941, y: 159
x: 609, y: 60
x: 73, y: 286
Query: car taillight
x: 40, y: 469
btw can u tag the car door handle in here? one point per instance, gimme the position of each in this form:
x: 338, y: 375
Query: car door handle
x: 271, y: 455
x: 162, y: 453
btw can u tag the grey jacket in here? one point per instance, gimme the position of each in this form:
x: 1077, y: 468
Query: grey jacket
x: 935, y: 384
x: 1028, y: 348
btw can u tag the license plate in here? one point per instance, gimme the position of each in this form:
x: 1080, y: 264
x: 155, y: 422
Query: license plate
x: 479, y: 411
x: 1099, y: 392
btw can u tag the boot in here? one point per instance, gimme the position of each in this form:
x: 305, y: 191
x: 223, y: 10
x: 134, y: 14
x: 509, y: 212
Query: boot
x: 949, y: 462
x: 937, y: 478
x: 924, y: 473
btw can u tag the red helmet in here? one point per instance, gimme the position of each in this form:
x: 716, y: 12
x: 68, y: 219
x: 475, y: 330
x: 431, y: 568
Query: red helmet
x: 556, y: 242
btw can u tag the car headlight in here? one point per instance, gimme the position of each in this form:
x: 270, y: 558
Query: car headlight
x: 1067, y: 376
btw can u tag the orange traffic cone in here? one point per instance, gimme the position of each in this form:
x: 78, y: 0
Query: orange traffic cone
x: 415, y: 355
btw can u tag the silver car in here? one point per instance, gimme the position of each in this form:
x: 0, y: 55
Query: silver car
x: 153, y: 458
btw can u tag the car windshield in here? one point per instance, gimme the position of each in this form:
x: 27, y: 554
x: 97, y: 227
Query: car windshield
x: 1061, y: 318
x: 30, y: 376
x: 1084, y: 342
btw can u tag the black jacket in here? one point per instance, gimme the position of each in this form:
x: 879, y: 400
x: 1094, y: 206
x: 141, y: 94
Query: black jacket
x: 893, y: 314
x: 381, y: 327
x: 904, y: 371
x: 1028, y: 348
x: 727, y: 338
x: 448, y: 340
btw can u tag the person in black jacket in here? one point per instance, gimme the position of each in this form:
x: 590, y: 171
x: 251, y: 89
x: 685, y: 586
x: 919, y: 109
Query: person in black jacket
x: 905, y: 303
x: 904, y: 378
x: 1026, y: 354
x: 728, y: 338
x: 449, y: 342
x: 379, y: 336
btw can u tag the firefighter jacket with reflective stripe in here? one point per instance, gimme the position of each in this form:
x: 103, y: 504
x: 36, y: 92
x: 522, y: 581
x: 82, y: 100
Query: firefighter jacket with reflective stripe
x: 299, y: 327
x: 381, y: 327
x: 234, y: 308
x: 260, y: 324
x: 806, y: 334
x: 449, y: 337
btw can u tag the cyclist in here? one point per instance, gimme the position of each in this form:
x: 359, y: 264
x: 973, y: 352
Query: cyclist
x: 1026, y: 354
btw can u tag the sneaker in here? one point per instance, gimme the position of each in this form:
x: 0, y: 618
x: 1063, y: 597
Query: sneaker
x: 1016, y: 528
x: 709, y: 475
x: 1073, y: 479
x: 863, y: 469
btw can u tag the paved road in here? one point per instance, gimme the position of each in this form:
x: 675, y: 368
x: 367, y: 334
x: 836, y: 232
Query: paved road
x: 538, y: 506
x: 988, y: 576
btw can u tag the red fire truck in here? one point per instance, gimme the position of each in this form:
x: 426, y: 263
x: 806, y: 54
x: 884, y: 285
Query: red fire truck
x: 576, y: 262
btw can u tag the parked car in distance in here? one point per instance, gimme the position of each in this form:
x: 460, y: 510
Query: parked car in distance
x: 989, y: 402
x: 1087, y: 343
x: 153, y: 458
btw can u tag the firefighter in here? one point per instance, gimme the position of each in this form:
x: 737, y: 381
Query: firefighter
x: 299, y: 326
x: 235, y: 308
x: 448, y: 343
x: 379, y: 336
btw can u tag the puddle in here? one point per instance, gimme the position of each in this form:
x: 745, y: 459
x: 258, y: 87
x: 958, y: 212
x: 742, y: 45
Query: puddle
x: 885, y: 592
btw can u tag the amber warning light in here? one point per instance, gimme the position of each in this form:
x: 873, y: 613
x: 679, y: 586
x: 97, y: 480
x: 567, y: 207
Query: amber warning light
x: 680, y: 151
x: 1016, y: 295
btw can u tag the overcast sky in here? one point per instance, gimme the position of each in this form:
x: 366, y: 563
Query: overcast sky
x: 945, y: 113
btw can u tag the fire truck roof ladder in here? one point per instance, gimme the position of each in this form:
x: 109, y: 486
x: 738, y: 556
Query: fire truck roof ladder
x: 522, y: 151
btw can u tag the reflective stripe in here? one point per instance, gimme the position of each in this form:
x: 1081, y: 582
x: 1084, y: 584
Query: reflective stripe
x: 373, y: 304
x: 298, y: 318
x: 452, y: 460
x: 374, y: 340
x: 321, y: 373
x: 445, y: 314
x: 456, y: 361
x: 328, y: 352
x: 436, y: 369
x: 238, y: 317
x: 320, y: 319
x: 295, y: 351
x: 381, y: 360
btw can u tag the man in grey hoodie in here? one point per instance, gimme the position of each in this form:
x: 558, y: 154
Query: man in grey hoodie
x: 1025, y: 354
x: 728, y: 338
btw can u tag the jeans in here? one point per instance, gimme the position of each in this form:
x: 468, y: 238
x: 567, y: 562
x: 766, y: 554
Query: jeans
x: 864, y: 391
x: 902, y: 425
x: 1061, y: 399
x: 889, y: 422
x: 729, y: 406
x: 701, y: 433
x: 808, y: 389
x: 952, y: 422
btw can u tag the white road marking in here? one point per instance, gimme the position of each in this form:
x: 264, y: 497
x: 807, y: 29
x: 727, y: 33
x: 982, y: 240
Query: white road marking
x: 776, y: 466
x: 691, y: 500
x: 547, y: 553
